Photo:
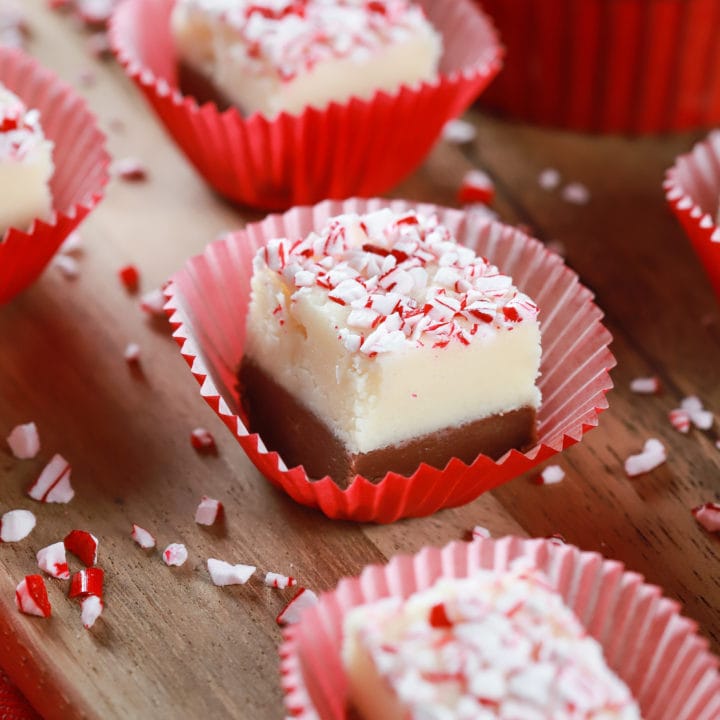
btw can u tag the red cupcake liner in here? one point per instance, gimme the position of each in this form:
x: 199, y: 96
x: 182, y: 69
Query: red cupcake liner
x: 692, y: 189
x: 645, y: 640
x: 81, y: 169
x: 207, y: 305
x: 631, y: 66
x: 361, y: 147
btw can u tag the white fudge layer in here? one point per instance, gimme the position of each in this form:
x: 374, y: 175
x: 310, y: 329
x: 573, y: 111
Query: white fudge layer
x: 486, y: 647
x: 269, y: 56
x: 387, y: 347
x: 26, y: 165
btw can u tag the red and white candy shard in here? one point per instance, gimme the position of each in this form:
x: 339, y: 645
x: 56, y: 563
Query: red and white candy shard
x: 701, y: 418
x: 16, y: 525
x: 91, y: 609
x: 458, y: 132
x: 680, y: 420
x: 153, y: 302
x: 476, y: 187
x: 142, y: 537
x: 53, y: 485
x: 652, y: 455
x: 52, y: 560
x: 645, y: 385
x: 132, y: 353
x: 31, y: 596
x: 208, y: 511
x: 129, y: 277
x: 87, y: 582
x: 24, y: 441
x: 276, y: 580
x: 708, y: 515
x: 551, y: 475
x: 480, y: 532
x: 129, y: 169
x: 83, y: 545
x: 175, y: 554
x: 223, y: 573
x: 202, y: 439
x: 292, y: 612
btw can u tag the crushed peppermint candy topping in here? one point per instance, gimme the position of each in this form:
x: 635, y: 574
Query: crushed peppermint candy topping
x: 202, y: 440
x: 144, y: 538
x: 208, y: 511
x: 91, y: 609
x: 31, y: 596
x: 276, y: 580
x: 708, y: 515
x: 290, y: 37
x: 701, y: 418
x: 476, y: 187
x: 646, y: 385
x: 652, y: 456
x: 493, y: 645
x: 82, y: 544
x: 52, y: 560
x: 24, y: 441
x: 16, y: 525
x: 680, y: 420
x: 53, y: 485
x: 86, y: 583
x: 20, y: 130
x: 175, y: 554
x: 223, y: 573
x: 550, y: 475
x: 400, y: 279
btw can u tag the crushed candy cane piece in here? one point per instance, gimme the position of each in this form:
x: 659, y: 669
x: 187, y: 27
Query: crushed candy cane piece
x: 557, y: 539
x: 16, y: 525
x: 67, y: 265
x: 680, y: 420
x: 480, y: 532
x: 646, y: 385
x: 202, y: 440
x: 83, y: 545
x: 576, y: 193
x: 223, y: 573
x: 52, y: 560
x: 92, y: 607
x: 95, y: 12
x: 87, y: 582
x: 175, y: 554
x: 476, y: 187
x: 550, y: 475
x: 276, y: 580
x: 208, y: 511
x: 73, y: 244
x: 692, y: 403
x: 129, y: 169
x: 132, y: 353
x: 693, y: 409
x: 24, y: 441
x: 549, y: 179
x: 144, y: 538
x: 652, y: 455
x: 708, y: 515
x: 291, y: 613
x: 31, y: 596
x: 702, y: 419
x: 153, y: 302
x: 458, y: 132
x: 130, y: 278
x: 53, y: 485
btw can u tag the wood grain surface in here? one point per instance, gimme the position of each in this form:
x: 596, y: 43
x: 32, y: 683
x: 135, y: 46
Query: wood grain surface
x: 170, y: 644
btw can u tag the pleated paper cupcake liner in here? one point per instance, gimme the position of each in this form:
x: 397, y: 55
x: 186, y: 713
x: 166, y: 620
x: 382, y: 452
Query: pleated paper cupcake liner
x: 81, y: 169
x: 692, y: 189
x: 208, y: 302
x: 630, y: 66
x: 359, y: 147
x: 645, y: 640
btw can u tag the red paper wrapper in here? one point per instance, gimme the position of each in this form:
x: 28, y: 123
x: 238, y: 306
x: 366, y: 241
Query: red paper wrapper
x: 361, y: 147
x: 81, y: 164
x: 655, y: 650
x: 208, y: 301
x: 637, y: 66
x: 692, y: 189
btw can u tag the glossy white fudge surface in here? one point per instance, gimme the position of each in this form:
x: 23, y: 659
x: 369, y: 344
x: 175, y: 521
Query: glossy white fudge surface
x: 387, y: 329
x: 481, y: 648
x: 26, y: 165
x: 269, y: 56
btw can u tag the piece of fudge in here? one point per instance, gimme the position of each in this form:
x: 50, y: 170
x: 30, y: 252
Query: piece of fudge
x: 485, y: 647
x: 26, y: 165
x: 379, y: 343
x: 270, y: 56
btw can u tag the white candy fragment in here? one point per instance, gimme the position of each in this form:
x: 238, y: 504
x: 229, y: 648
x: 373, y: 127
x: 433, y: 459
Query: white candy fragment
x: 652, y: 456
x: 551, y: 475
x: 701, y: 418
x: 153, y: 302
x: 132, y: 353
x: 67, y: 265
x: 142, y: 537
x: 576, y: 193
x: 16, y: 525
x: 549, y: 179
x: 708, y: 515
x: 52, y: 560
x: 130, y: 169
x: 24, y: 441
x: 207, y: 511
x: 276, y: 580
x: 73, y: 244
x: 223, y: 573
x: 292, y: 612
x: 175, y: 554
x: 645, y: 385
x: 480, y: 532
x: 458, y: 132
x: 53, y: 485
x: 92, y: 607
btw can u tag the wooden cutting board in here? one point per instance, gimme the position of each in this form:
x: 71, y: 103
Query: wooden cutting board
x: 170, y: 644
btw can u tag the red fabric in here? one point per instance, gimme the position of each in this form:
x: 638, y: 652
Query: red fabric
x: 13, y: 705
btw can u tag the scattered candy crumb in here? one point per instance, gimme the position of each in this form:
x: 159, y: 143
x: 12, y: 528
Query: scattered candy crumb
x: 576, y: 193
x: 132, y: 353
x: 92, y: 607
x: 153, y: 302
x: 72, y: 245
x: 480, y: 532
x: 202, y: 440
x: 208, y: 511
x: 652, y: 455
x: 680, y: 420
x: 130, y: 277
x: 24, y: 441
x: 144, y: 538
x: 53, y: 484
x: 557, y: 539
x: 708, y: 515
x: 129, y: 169
x: 67, y: 265
x: 291, y: 613
x: 52, y: 560
x: 701, y: 418
x: 87, y: 582
x: 175, y: 554
x: 476, y: 187
x: 276, y: 580
x: 16, y: 525
x: 83, y: 545
x: 646, y: 385
x: 458, y: 132
x: 223, y: 573
x: 31, y: 596
x: 551, y: 475
x: 549, y: 179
